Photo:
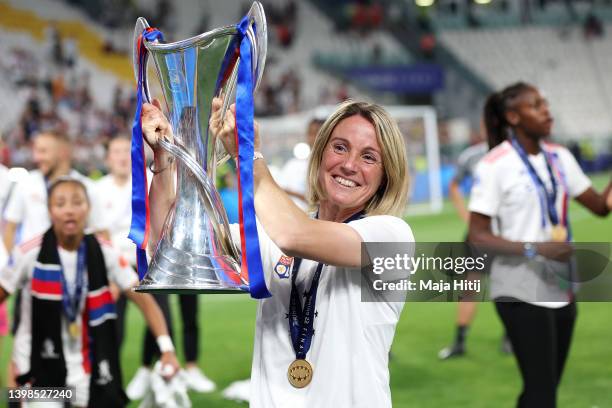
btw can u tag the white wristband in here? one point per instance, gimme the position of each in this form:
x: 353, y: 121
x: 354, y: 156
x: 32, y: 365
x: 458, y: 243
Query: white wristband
x: 164, y: 342
x: 257, y: 155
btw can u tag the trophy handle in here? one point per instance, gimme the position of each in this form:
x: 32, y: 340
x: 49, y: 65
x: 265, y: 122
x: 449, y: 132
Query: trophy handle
x: 141, y: 25
x: 258, y: 35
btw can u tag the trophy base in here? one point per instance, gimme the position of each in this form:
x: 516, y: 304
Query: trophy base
x: 188, y: 290
x: 173, y: 270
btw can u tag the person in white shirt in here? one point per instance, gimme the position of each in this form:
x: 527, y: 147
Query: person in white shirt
x: 28, y: 204
x: 26, y: 210
x: 66, y: 334
x: 518, y: 206
x: 358, y: 181
x: 293, y: 176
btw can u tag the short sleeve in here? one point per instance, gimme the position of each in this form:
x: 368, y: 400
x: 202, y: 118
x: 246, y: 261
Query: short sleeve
x: 577, y: 181
x: 14, y: 274
x: 15, y: 206
x: 485, y: 196
x: 383, y: 228
x: 118, y: 268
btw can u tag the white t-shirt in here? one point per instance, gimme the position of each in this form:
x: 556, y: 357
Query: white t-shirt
x: 504, y: 191
x: 350, y: 347
x: 28, y: 205
x: 116, y: 202
x: 18, y: 275
x: 294, y: 178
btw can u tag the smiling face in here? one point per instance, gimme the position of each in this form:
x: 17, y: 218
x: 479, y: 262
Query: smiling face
x: 530, y: 114
x: 68, y: 210
x: 351, y: 169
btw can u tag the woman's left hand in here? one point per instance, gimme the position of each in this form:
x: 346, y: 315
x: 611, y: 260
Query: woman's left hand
x: 225, y: 127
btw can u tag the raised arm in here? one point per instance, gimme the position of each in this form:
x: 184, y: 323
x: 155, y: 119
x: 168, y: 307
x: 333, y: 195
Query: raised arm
x: 294, y: 232
x: 161, y: 193
x: 599, y: 204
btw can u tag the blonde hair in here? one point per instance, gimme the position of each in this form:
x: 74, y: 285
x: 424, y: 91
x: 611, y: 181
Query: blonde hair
x: 392, y: 194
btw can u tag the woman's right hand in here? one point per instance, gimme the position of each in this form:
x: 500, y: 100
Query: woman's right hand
x: 224, y: 127
x: 557, y: 251
x: 155, y: 126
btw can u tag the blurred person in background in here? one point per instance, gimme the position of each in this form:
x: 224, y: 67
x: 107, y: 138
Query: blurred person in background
x: 115, y: 192
x: 27, y: 207
x: 26, y: 213
x: 518, y: 207
x: 66, y: 334
x: 466, y: 309
x: 294, y: 174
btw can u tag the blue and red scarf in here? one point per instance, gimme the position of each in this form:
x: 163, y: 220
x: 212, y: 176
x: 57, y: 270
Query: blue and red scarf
x: 98, y: 333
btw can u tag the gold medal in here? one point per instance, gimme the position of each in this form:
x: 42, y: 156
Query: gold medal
x: 558, y: 233
x: 74, y: 330
x: 300, y: 373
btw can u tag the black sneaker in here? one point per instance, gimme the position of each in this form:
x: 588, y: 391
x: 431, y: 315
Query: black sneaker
x: 456, y: 350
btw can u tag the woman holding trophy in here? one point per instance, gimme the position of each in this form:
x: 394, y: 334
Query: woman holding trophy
x: 316, y: 343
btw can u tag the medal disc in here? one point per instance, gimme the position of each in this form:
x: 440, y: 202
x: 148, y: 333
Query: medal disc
x: 558, y: 233
x: 73, y: 328
x: 300, y: 373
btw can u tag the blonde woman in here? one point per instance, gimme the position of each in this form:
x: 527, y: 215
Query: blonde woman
x: 333, y: 350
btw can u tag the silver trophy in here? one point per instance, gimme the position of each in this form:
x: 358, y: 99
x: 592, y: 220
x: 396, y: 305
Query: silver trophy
x: 195, y: 253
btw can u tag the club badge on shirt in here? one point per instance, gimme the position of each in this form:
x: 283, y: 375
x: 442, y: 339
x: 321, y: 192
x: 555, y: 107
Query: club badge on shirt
x: 282, y: 266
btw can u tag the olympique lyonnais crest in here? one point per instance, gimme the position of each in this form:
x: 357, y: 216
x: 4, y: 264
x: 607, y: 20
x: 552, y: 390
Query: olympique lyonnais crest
x: 282, y: 266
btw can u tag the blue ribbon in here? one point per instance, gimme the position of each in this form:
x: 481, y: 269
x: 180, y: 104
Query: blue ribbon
x: 139, y: 228
x: 71, y: 303
x: 547, y: 200
x: 301, y: 320
x: 246, y: 135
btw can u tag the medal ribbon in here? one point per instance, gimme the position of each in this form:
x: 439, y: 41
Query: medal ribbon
x: 71, y: 304
x: 565, y: 222
x: 547, y: 200
x: 140, y: 225
x: 301, y: 319
x: 565, y: 197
